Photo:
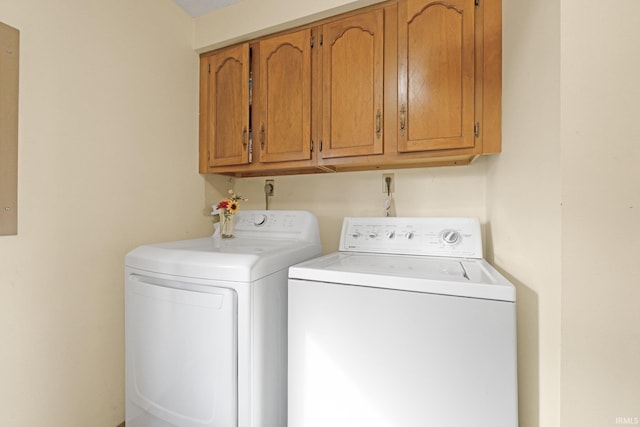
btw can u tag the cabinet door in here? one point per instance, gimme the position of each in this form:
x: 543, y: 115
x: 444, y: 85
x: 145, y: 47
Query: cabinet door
x: 436, y: 74
x: 284, y: 130
x: 224, y: 106
x: 352, y: 85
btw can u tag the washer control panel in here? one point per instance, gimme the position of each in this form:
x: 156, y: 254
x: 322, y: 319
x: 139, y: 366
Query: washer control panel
x: 441, y: 236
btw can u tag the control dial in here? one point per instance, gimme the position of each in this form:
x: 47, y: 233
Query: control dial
x: 451, y: 237
x: 260, y: 220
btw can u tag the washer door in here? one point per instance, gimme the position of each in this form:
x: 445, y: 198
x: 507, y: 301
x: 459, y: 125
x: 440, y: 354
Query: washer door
x: 181, y: 354
x: 374, y: 357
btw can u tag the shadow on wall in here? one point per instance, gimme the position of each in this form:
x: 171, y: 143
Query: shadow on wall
x: 216, y: 188
x: 527, y: 309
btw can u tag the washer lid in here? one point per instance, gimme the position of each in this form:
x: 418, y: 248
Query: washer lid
x: 473, y: 278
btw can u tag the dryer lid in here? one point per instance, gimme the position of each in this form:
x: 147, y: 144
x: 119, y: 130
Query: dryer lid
x: 228, y: 260
x: 266, y: 242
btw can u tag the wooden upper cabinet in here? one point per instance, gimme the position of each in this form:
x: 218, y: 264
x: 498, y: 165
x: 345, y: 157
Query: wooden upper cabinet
x: 283, y: 126
x: 352, y: 85
x: 401, y: 83
x: 436, y: 86
x: 224, y: 106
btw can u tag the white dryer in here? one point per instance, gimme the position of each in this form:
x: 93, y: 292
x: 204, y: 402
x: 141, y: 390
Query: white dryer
x: 206, y: 323
x: 407, y: 325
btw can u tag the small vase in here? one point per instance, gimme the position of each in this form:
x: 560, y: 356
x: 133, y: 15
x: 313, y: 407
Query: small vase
x: 226, y: 225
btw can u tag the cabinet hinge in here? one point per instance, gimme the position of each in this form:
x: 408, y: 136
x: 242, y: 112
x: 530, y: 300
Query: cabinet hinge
x: 321, y: 39
x: 312, y: 145
x: 313, y: 40
x: 209, y: 68
x: 320, y: 146
x: 476, y: 129
x: 477, y: 3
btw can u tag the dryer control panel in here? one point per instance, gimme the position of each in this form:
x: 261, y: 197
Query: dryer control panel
x: 428, y: 236
x: 277, y: 224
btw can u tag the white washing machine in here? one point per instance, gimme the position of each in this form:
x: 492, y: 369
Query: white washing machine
x: 407, y: 325
x: 206, y: 323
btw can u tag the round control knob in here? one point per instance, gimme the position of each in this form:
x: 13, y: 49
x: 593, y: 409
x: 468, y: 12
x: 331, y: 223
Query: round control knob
x: 451, y: 237
x: 355, y: 234
x: 373, y: 235
x: 390, y: 234
x: 260, y: 220
x: 408, y: 235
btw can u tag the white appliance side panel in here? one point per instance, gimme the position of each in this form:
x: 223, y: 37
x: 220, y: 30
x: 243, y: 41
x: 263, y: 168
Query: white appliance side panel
x: 269, y: 349
x: 373, y: 357
x: 181, y: 351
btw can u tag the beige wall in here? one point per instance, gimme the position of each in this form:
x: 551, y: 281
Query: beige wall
x: 523, y: 200
x: 600, y: 212
x: 107, y: 161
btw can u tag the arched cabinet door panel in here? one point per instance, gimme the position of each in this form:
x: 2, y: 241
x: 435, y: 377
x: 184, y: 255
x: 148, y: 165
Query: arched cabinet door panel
x: 353, y: 85
x: 436, y: 75
x: 224, y: 123
x: 283, y: 129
